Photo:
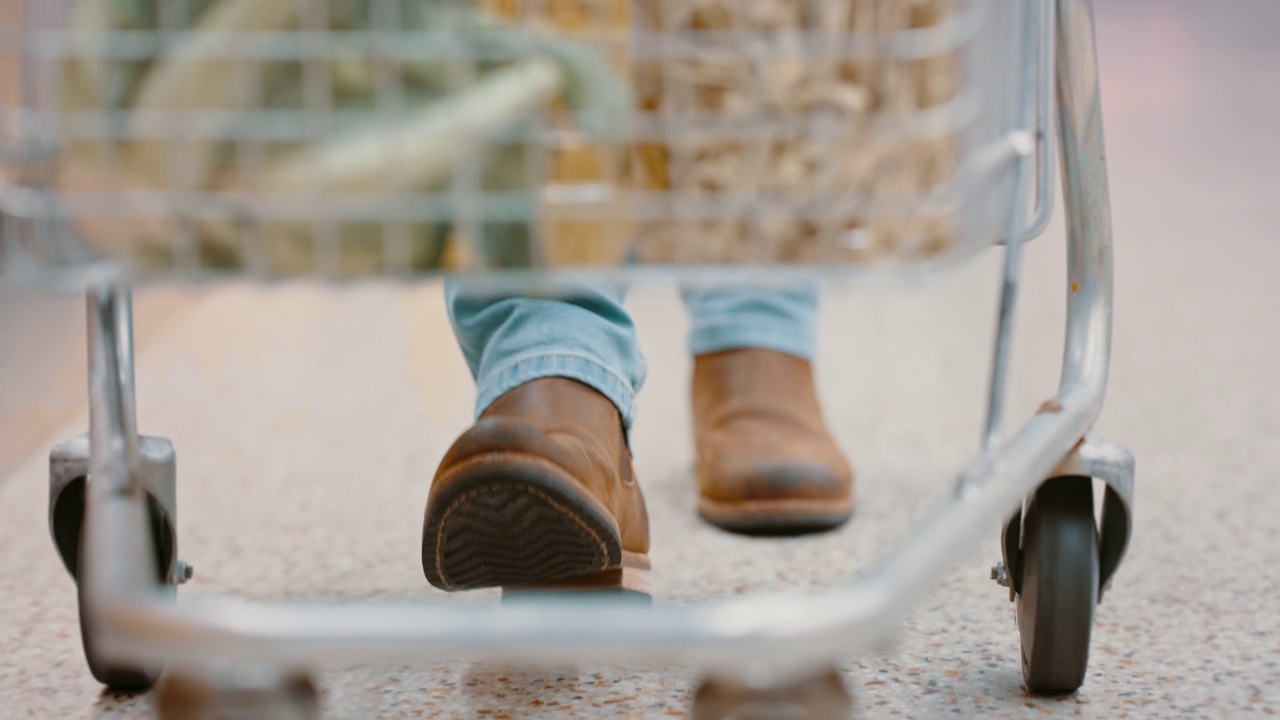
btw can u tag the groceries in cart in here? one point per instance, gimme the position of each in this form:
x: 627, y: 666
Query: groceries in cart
x: 352, y: 137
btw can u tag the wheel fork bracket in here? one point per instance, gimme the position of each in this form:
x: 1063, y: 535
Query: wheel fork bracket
x: 1092, y: 458
x: 68, y: 478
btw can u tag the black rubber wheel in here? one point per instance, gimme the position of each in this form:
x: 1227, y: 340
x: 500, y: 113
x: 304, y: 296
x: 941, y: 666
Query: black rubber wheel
x: 1059, y: 585
x: 116, y: 678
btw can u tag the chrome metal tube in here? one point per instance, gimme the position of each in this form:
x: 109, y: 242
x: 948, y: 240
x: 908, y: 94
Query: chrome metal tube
x: 1014, y: 238
x: 726, y: 633
x: 127, y: 383
x: 1044, y: 125
x: 113, y: 430
x: 116, y: 559
x: 1087, y: 203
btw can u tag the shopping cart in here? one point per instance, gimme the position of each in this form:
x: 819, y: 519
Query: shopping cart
x: 242, y: 160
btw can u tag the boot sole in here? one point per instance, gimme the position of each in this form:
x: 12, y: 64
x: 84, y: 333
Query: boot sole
x: 782, y: 516
x: 522, y: 523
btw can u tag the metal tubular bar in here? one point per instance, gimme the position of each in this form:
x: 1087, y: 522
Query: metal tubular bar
x: 729, y: 633
x: 1044, y: 157
x: 117, y: 564
x: 1087, y: 203
x: 1012, y: 258
x: 127, y: 382
x: 113, y: 430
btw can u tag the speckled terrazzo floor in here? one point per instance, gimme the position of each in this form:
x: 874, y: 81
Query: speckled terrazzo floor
x: 308, y: 423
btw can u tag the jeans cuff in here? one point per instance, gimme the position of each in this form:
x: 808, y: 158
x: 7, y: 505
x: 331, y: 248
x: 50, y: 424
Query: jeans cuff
x: 567, y: 365
x: 781, y: 337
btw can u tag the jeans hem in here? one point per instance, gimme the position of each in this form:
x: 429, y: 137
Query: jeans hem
x: 567, y: 365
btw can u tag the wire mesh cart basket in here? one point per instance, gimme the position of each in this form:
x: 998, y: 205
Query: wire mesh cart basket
x: 526, y: 143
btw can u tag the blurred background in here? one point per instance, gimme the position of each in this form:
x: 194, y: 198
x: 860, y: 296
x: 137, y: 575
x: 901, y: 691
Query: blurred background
x: 308, y: 421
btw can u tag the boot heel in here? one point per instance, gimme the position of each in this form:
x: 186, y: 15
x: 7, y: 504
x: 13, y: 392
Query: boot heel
x: 630, y: 580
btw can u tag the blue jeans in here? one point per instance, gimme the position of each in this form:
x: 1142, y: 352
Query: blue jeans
x: 585, y: 334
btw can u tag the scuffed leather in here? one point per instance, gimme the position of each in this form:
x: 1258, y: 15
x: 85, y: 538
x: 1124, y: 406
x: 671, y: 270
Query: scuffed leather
x: 575, y: 428
x: 759, y: 431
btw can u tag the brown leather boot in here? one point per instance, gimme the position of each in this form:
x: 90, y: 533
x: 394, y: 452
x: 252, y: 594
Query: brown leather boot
x: 538, y: 493
x: 766, y: 461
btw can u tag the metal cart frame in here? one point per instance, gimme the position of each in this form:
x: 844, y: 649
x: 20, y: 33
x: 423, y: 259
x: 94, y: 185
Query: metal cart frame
x: 131, y: 616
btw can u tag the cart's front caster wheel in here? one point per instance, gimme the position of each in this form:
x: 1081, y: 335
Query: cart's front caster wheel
x: 261, y: 693
x: 118, y: 678
x: 818, y: 697
x: 68, y: 484
x: 1058, y: 589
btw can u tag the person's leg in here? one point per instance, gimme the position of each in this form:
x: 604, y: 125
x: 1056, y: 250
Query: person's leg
x: 728, y: 318
x: 766, y: 461
x: 584, y: 334
x: 540, y: 491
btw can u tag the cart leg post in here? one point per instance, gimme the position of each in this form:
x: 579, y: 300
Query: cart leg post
x: 154, y: 461
x: 1087, y: 204
x: 1056, y: 561
x: 1016, y: 230
x: 116, y: 560
x: 128, y: 498
x: 113, y: 426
